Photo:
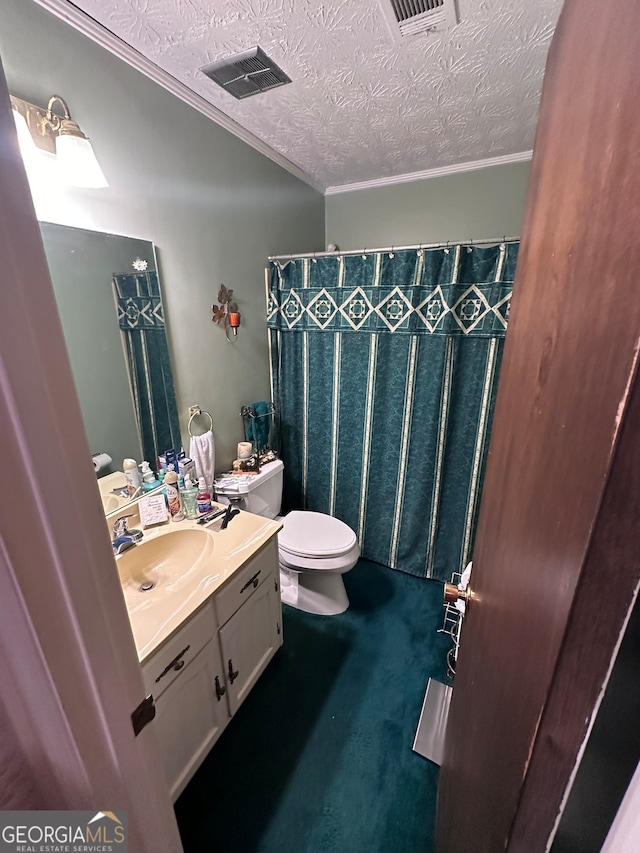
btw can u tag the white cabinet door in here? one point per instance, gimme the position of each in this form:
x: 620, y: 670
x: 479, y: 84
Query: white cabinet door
x: 250, y: 639
x: 190, y: 715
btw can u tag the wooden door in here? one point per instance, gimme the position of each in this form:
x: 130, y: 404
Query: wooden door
x: 556, y: 561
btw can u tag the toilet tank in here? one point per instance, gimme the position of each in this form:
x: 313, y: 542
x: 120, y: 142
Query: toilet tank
x: 258, y: 493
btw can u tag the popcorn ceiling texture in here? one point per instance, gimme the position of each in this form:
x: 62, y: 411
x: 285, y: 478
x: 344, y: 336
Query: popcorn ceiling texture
x: 361, y: 106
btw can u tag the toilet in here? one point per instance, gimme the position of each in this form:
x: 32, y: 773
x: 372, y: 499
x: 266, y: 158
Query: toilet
x: 315, y: 549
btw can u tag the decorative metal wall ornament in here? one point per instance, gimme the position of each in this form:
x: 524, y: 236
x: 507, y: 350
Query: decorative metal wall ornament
x: 226, y: 314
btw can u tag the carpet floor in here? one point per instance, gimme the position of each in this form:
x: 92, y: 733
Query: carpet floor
x: 318, y: 759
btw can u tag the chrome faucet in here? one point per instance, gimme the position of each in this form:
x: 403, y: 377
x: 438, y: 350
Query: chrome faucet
x: 122, y: 537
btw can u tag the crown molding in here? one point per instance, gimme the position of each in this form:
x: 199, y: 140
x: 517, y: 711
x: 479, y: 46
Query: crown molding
x: 426, y: 174
x: 86, y: 25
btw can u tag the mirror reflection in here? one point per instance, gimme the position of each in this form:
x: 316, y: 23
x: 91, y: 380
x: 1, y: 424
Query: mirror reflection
x: 110, y: 306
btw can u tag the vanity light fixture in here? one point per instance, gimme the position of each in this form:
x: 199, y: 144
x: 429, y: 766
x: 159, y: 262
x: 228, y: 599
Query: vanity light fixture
x: 55, y: 132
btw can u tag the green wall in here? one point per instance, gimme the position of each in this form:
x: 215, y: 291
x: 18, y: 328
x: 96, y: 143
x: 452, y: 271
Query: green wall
x: 475, y: 205
x: 214, y: 207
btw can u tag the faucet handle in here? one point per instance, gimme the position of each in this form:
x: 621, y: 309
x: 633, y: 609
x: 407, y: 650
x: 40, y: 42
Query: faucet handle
x: 120, y: 527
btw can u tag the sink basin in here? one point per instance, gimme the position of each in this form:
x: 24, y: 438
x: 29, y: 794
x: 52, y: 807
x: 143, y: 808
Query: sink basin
x: 161, y: 577
x: 165, y: 558
x: 109, y: 503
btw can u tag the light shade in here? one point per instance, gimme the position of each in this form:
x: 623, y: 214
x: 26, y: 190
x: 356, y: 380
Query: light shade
x: 25, y: 141
x: 56, y: 136
x: 78, y: 163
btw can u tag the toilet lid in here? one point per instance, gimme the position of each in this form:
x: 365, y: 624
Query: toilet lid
x: 314, y: 534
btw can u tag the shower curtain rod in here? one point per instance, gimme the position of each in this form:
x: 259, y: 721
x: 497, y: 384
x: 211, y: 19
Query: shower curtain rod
x: 367, y: 251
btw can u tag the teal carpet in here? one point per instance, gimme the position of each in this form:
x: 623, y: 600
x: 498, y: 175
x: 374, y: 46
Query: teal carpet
x: 318, y: 759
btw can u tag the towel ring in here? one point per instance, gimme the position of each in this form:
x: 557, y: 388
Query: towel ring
x: 194, y: 412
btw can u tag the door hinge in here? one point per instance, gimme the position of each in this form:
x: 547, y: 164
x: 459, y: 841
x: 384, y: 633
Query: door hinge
x: 275, y: 584
x: 278, y: 627
x: 143, y: 714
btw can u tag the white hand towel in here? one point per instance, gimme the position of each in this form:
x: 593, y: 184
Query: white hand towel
x: 202, y: 450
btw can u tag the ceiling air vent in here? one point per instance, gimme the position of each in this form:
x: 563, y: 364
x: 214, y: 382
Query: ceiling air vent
x: 246, y: 74
x: 411, y: 17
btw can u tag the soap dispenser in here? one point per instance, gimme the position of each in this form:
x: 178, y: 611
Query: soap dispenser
x: 189, y: 499
x: 149, y: 480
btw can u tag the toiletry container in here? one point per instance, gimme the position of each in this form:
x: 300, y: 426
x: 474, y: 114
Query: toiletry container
x: 131, y: 475
x: 173, y: 496
x: 149, y: 480
x: 203, y: 497
x: 189, y: 499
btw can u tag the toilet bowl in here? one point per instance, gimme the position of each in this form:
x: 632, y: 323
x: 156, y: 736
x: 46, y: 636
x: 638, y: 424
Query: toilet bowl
x: 315, y: 549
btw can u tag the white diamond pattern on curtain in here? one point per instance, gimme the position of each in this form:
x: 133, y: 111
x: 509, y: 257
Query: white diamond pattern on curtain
x: 385, y: 369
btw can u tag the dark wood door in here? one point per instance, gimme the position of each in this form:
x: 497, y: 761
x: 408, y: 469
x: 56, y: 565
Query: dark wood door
x: 556, y: 560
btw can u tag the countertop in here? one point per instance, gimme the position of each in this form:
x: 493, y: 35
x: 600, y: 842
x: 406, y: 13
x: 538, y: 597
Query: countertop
x: 179, y: 592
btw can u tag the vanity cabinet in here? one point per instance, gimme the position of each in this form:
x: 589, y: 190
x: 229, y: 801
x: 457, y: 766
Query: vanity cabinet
x: 201, y: 675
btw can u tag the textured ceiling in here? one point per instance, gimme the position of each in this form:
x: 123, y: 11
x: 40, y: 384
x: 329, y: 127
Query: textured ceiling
x: 361, y: 106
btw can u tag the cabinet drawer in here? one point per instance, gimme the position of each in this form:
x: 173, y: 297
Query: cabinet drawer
x: 165, y: 665
x: 259, y: 569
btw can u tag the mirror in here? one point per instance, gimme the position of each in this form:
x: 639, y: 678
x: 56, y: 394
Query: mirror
x: 82, y: 265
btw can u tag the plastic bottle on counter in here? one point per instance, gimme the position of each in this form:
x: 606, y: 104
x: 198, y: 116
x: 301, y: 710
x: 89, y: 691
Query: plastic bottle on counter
x: 149, y: 480
x: 189, y: 499
x: 203, y: 497
x: 132, y: 476
x: 173, y: 496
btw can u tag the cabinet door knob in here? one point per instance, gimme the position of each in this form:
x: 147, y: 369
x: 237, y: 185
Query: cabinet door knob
x: 232, y: 675
x: 176, y: 663
x: 252, y: 581
x: 220, y: 691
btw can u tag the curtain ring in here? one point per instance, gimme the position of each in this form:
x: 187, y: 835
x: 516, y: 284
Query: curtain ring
x: 446, y: 248
x: 391, y: 253
x: 364, y: 254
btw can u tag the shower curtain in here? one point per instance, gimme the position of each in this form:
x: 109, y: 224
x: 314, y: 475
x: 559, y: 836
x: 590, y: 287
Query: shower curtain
x: 384, y: 373
x: 141, y: 321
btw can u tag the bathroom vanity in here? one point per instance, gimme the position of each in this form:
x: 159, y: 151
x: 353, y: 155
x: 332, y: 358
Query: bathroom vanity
x: 205, y: 629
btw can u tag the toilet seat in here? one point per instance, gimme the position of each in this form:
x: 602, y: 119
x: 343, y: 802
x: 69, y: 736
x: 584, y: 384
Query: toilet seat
x: 337, y: 565
x: 310, y: 535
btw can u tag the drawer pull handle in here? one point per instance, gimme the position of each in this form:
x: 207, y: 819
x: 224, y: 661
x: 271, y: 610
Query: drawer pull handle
x: 177, y: 663
x: 232, y: 675
x: 220, y: 691
x: 252, y: 581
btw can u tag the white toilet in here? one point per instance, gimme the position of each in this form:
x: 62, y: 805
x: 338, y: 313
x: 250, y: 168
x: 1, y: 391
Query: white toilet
x: 315, y: 549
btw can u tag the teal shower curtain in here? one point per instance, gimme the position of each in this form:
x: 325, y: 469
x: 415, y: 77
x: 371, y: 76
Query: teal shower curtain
x: 385, y: 369
x: 141, y: 320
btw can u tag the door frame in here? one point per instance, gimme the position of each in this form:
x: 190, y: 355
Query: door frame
x: 71, y: 676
